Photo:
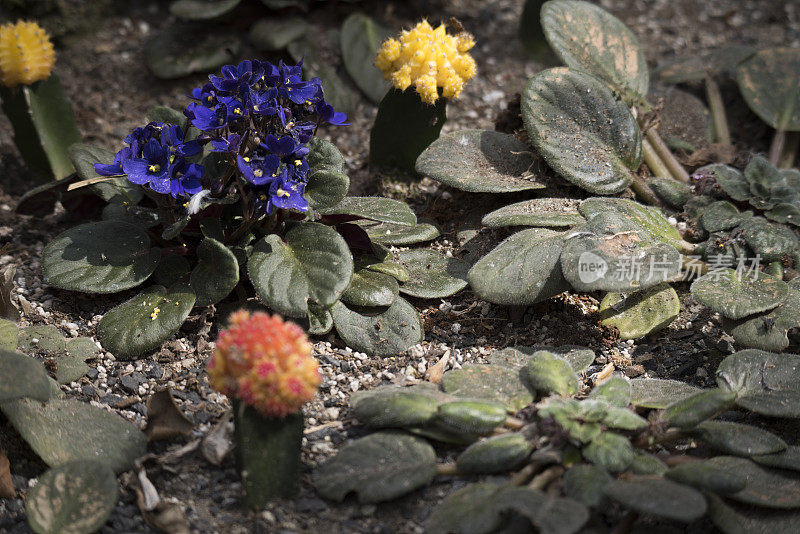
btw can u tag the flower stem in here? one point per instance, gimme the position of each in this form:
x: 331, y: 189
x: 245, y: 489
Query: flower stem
x: 544, y: 478
x: 644, y: 192
x: 657, y: 167
x: 789, y: 151
x: 776, y: 148
x: 676, y: 169
x: 721, y: 130
x: 447, y: 469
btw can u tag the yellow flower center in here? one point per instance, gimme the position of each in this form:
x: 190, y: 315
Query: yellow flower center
x: 154, y: 168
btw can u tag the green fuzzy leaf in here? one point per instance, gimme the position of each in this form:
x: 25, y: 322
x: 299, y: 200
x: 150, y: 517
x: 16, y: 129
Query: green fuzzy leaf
x: 469, y: 510
x: 404, y: 127
x: 494, y: 455
x: 22, y: 376
x: 276, y: 34
x: 323, y: 155
x: 479, y: 161
x: 648, y: 218
x: 518, y: 357
x: 658, y: 392
x: 768, y: 331
x: 551, y: 373
x: 546, y: 212
x: 183, y: 50
x: 735, y: 296
x: 99, y: 257
x: 320, y: 320
x: 721, y: 215
x: 769, y: 82
x: 361, y: 37
x: 693, y: 410
x: 766, y: 487
x: 431, y: 275
x: 770, y: 241
x: 396, y: 407
x: 729, y: 178
x: 786, y: 459
x: 313, y: 264
x: 9, y: 335
x: 732, y: 519
x: 738, y: 439
x: 583, y: 132
x: 647, y: 464
x: 62, y: 431
x: 400, y: 235
x: 674, y: 193
x: 707, y: 477
x: 379, y: 467
x: 45, y: 338
x: 640, y: 313
x: 382, y: 332
x: 370, y: 288
x: 326, y: 188
x: 201, y: 9
x: 74, y: 497
x: 489, y: 382
x: 170, y: 270
x: 44, y: 126
x: 136, y: 215
x: 470, y: 416
x: 374, y: 208
x: 696, y: 67
x: 659, y: 497
x: 610, y: 451
x: 531, y: 33
x: 216, y: 273
x: 144, y: 322
x: 615, y: 391
x: 585, y: 483
x: 523, y: 269
x: 586, y: 37
x: 624, y: 419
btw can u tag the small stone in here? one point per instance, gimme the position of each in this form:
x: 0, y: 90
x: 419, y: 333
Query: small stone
x: 632, y: 371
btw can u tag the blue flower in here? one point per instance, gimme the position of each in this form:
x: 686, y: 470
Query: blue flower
x: 234, y: 109
x: 288, y: 195
x: 207, y: 119
x: 229, y: 144
x: 289, y: 82
x: 327, y: 115
x: 264, y: 102
x: 206, y: 95
x: 258, y: 170
x: 235, y: 78
x: 286, y: 147
x: 114, y: 169
x: 152, y: 167
x: 172, y: 137
x: 185, y: 179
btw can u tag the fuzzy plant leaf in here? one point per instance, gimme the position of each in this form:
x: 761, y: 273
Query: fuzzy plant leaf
x: 371, y: 288
x: 616, y: 391
x: 586, y: 37
x: 738, y: 439
x: 311, y: 264
x: 74, y: 497
x: 540, y: 212
x: 691, y: 411
x: 623, y: 419
x: 696, y: 67
x: 275, y: 34
x: 22, y: 376
x: 659, y: 393
x: 431, y: 274
x: 488, y: 382
x: 182, y: 51
x: 611, y: 451
x: 100, y: 257
x: 523, y: 269
x: 648, y: 218
x: 786, y: 459
x: 772, y: 242
x: 136, y: 215
x: 769, y: 82
x: 171, y: 269
x: 732, y: 519
x: 469, y: 510
x: 201, y: 9
x: 734, y: 295
x: 531, y: 33
x: 639, y: 314
x: 551, y: 373
x: 583, y: 132
x: 374, y: 208
x: 479, y: 161
x: 764, y: 382
x: 378, y: 467
x: 769, y: 330
x: 494, y: 455
x: 320, y: 320
x: 672, y: 192
x: 144, y: 322
x: 382, y: 332
x: 45, y: 338
x: 323, y: 155
x: 659, y: 497
x: 62, y: 431
x: 9, y: 335
x: 730, y: 179
x: 578, y: 357
x: 707, y: 477
x: 721, y: 215
x: 326, y: 188
x: 400, y: 235
x: 475, y: 417
x: 216, y: 273
x: 766, y: 487
x: 585, y: 483
x: 360, y: 40
x: 117, y: 190
x: 396, y: 407
x: 647, y: 464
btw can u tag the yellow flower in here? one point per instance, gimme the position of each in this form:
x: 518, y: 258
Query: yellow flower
x: 428, y: 59
x: 26, y: 53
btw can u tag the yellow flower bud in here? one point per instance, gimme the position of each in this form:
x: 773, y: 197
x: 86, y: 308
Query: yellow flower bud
x: 26, y: 54
x: 429, y: 59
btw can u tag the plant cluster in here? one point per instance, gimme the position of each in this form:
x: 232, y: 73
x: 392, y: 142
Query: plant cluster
x: 572, y: 454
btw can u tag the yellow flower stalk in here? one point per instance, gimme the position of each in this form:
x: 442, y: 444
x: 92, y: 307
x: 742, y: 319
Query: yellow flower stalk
x: 428, y: 59
x: 26, y: 54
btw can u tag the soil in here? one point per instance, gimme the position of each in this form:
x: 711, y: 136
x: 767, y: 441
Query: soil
x: 103, y: 74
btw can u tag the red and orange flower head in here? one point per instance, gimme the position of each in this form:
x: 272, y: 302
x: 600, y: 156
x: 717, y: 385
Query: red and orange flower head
x: 266, y: 362
x: 26, y: 54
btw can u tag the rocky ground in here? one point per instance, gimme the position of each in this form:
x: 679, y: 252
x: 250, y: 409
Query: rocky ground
x: 104, y: 76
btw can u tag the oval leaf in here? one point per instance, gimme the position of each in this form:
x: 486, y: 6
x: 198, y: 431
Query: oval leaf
x: 738, y: 439
x: 431, y: 275
x: 735, y: 295
x: 494, y: 455
x: 551, y: 373
x: 361, y: 38
x: 659, y: 497
x: 613, y: 452
x: 216, y: 273
x: 374, y: 208
x: 22, y: 376
x: 766, y: 487
x: 770, y: 83
x: 547, y: 212
x: 490, y: 382
x: 641, y: 313
x: 388, y: 333
x: 370, y: 288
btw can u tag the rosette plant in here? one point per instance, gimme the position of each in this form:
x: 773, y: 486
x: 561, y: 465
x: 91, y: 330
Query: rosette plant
x: 238, y: 193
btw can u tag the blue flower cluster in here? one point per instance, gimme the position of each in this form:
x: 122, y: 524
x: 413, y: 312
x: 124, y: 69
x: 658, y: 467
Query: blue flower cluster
x: 258, y: 115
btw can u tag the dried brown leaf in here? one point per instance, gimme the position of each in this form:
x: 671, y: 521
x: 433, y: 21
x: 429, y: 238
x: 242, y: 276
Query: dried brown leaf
x: 165, y: 420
